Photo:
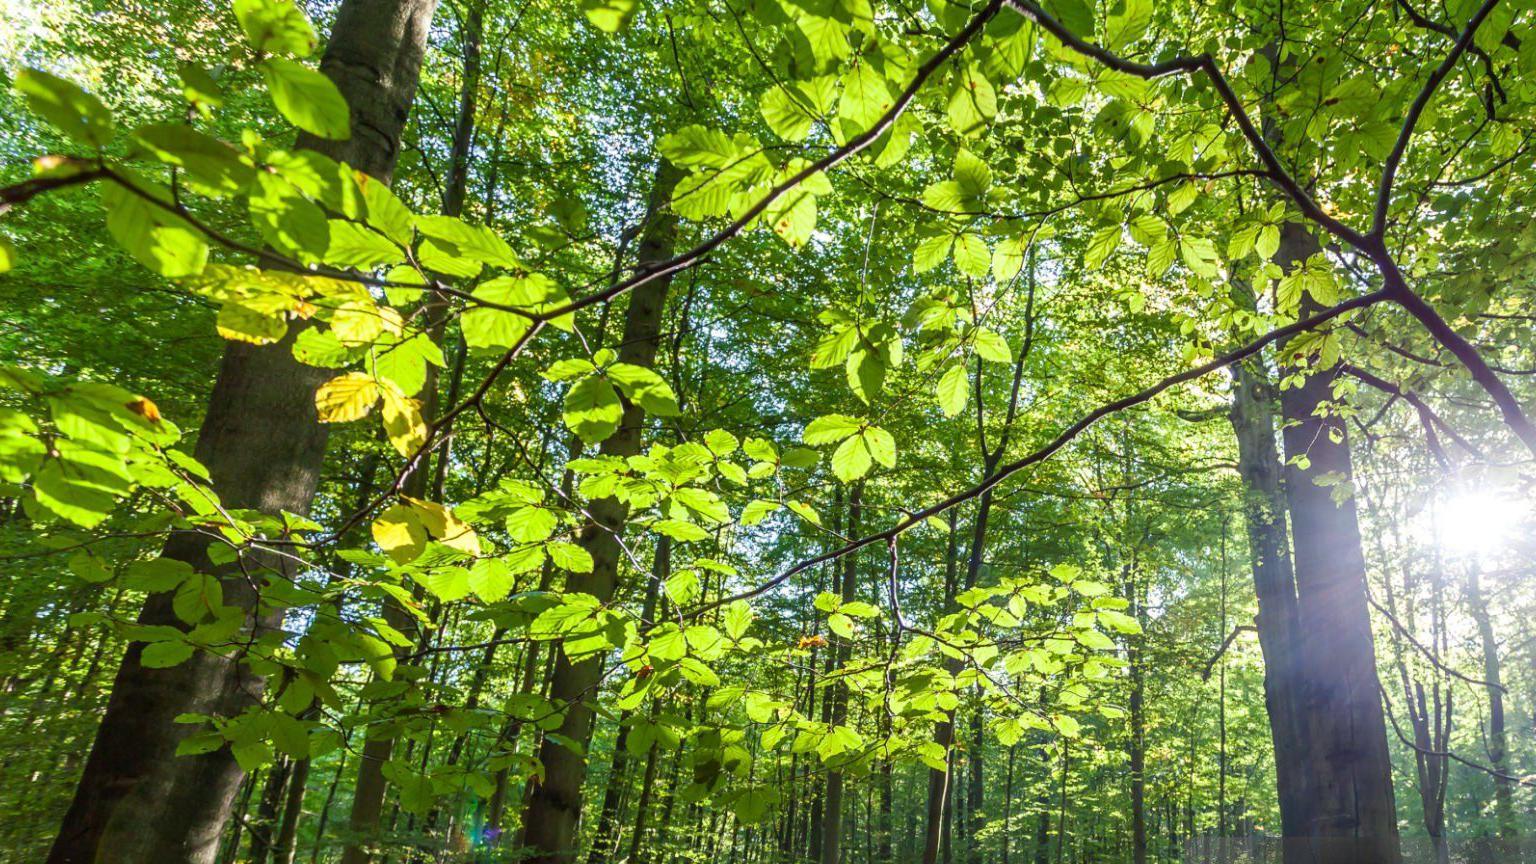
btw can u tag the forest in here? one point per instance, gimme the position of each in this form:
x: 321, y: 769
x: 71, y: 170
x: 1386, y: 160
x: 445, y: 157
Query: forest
x: 767, y: 431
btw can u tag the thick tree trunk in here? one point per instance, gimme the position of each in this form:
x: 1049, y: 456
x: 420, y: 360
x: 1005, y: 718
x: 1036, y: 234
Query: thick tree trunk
x: 263, y: 445
x: 554, y: 808
x: 1353, y: 818
x: 136, y: 800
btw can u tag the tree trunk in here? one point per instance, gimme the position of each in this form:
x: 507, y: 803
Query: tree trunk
x: 944, y: 731
x: 554, y: 808
x: 263, y: 445
x: 264, y: 831
x: 1353, y: 817
x: 1253, y: 422
x: 837, y: 696
x: 603, y: 841
x: 975, y: 791
x: 288, y: 832
x: 1498, y: 740
x: 1138, y: 742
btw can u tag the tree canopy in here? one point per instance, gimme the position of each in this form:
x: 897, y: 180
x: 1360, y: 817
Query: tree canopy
x: 774, y: 430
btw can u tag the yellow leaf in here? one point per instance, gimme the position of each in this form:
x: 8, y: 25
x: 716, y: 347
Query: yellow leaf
x: 399, y: 532
x: 146, y: 409
x: 357, y: 322
x: 445, y: 527
x: 346, y: 397
x: 403, y: 422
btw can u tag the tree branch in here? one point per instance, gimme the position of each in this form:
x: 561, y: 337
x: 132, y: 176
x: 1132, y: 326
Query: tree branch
x: 1061, y: 440
x: 1415, y: 111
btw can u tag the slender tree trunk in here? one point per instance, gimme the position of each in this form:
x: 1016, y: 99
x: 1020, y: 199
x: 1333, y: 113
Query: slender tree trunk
x: 293, y: 809
x: 263, y: 445
x: 603, y: 841
x: 265, y: 829
x: 944, y: 731
x: 1008, y: 803
x: 554, y: 808
x: 1498, y: 739
x: 1138, y: 742
x: 237, y: 830
x: 837, y: 696
x: 643, y: 805
x: 975, y: 790
x: 887, y: 800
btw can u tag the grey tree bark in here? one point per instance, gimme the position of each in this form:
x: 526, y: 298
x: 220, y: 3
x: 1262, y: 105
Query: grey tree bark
x: 263, y: 445
x: 554, y: 808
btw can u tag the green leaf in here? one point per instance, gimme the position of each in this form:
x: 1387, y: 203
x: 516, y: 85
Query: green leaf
x: 827, y: 601
x: 593, y: 409
x: 610, y: 16
x: 702, y: 502
x: 991, y: 346
x: 932, y: 251
x: 155, y: 236
x: 1075, y: 15
x: 207, y: 160
x: 475, y: 242
x: 881, y: 445
x: 786, y: 116
x: 69, y: 109
x: 804, y: 511
x: 680, y: 530
x: 830, y: 429
x: 698, y: 147
x: 865, y: 99
x: 738, y: 617
x: 486, y: 327
x: 859, y: 609
x: 757, y: 510
x: 447, y: 584
x: 307, y: 98
x: 720, y: 442
x: 275, y: 27
x: 1129, y: 25
x: 754, y: 803
x: 352, y: 245
x: 156, y: 574
x: 644, y: 387
x: 1101, y: 245
x: 286, y: 219
x: 972, y: 101
x: 851, y: 460
x: 570, y: 557
x: 163, y: 655
x: 953, y: 390
x: 973, y: 174
x: 490, y: 579
x: 199, y: 87
x: 840, y: 624
x: 972, y: 256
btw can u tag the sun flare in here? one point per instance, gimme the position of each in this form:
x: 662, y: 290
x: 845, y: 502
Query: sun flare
x: 1477, y: 520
